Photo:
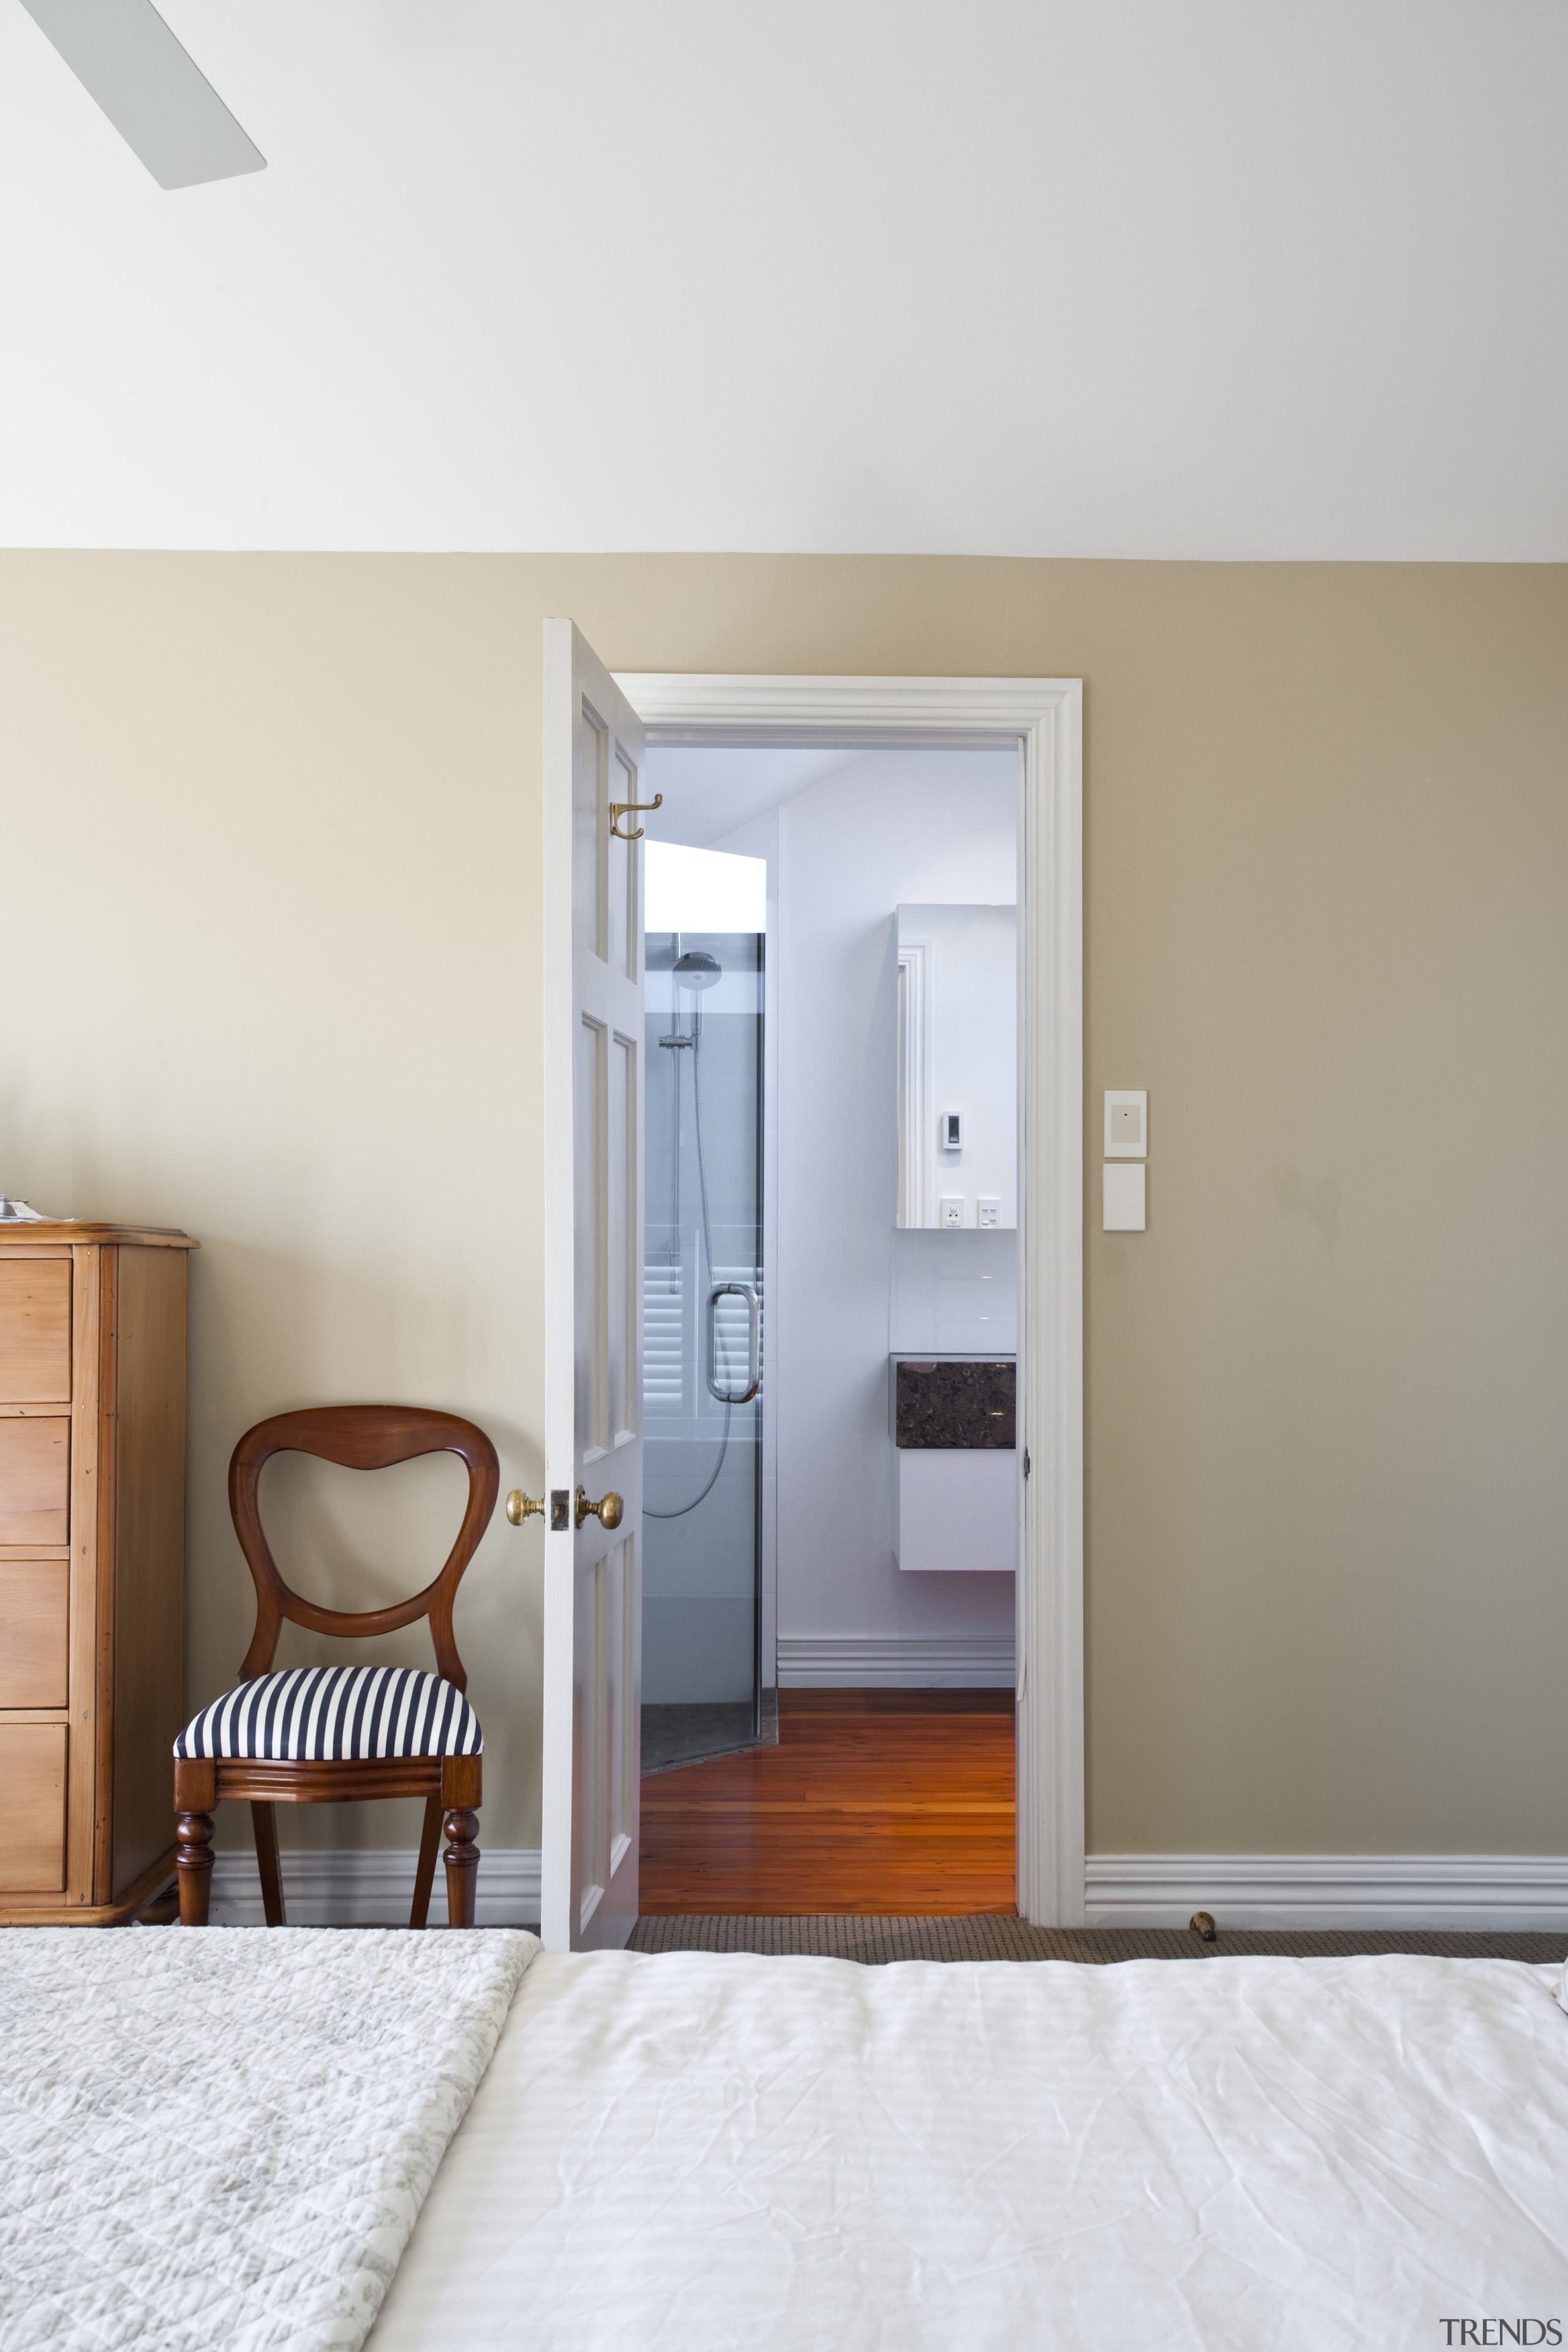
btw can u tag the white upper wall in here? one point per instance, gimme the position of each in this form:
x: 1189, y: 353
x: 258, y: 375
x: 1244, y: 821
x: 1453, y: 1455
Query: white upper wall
x: 1220, y: 280
x: 889, y: 826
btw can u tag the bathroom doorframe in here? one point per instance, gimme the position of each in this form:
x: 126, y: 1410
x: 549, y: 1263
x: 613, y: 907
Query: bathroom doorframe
x: 1044, y: 717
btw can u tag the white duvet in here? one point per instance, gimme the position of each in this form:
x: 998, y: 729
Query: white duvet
x: 693, y: 2151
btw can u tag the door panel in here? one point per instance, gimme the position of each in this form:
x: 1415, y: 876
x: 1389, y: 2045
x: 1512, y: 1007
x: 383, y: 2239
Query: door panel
x: 590, y: 840
x: 588, y: 1227
x: 625, y: 873
x: 592, y: 1335
x: 623, y: 1302
x: 622, y: 1750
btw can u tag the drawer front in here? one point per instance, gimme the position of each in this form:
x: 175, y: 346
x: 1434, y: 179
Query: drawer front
x: 35, y: 1331
x: 33, y: 1808
x: 34, y: 1615
x: 35, y: 1481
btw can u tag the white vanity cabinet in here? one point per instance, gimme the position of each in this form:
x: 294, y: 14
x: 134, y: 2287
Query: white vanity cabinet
x: 952, y: 1421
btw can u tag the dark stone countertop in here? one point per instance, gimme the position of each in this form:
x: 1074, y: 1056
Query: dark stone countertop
x: 954, y: 1401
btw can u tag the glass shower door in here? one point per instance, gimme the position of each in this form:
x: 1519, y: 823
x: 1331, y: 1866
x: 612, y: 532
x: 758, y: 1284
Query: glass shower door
x: 702, y: 1337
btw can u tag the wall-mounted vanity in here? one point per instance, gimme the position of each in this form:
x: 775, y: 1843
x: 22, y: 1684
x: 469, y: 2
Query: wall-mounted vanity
x: 953, y: 1421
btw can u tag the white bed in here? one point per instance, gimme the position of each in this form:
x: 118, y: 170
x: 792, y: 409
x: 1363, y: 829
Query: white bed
x: 255, y: 2140
x: 694, y: 2151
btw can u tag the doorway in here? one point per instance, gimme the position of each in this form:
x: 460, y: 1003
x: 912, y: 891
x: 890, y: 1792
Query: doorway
x: 875, y: 889
x: 1037, y: 725
x: 597, y: 733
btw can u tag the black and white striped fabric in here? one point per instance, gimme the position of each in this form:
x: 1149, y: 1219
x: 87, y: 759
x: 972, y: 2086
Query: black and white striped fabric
x: 329, y: 1715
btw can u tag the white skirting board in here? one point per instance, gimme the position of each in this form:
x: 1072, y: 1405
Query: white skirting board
x: 1481, y: 1891
x: 953, y: 1662
x: 357, y: 1888
x: 354, y: 1887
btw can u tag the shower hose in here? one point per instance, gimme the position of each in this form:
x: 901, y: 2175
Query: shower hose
x: 708, y: 1249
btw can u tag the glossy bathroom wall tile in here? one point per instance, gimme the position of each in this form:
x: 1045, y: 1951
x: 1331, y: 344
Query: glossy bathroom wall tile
x: 954, y: 1293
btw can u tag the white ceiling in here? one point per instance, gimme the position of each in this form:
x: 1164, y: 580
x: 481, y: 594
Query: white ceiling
x: 1016, y: 277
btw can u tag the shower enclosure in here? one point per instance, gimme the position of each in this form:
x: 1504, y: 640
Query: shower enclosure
x: 702, y: 1342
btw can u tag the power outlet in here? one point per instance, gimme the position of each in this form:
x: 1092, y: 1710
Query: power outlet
x: 988, y: 1213
x: 953, y: 1208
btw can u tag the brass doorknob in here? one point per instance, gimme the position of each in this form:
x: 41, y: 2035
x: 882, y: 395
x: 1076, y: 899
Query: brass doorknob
x: 520, y: 1507
x: 607, y: 1510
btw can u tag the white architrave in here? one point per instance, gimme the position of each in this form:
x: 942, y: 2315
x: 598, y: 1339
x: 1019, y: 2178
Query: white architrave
x: 1044, y: 717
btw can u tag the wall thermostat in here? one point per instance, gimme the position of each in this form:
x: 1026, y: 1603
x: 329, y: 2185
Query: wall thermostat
x: 1126, y: 1123
x: 952, y: 1131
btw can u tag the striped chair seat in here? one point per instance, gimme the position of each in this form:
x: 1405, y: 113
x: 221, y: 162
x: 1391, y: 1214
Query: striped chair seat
x: 331, y: 1714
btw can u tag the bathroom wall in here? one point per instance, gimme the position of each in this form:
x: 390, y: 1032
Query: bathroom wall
x: 954, y: 1294
x: 889, y: 826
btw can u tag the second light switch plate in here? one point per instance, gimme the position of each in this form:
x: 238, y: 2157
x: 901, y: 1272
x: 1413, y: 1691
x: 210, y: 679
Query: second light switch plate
x: 1123, y: 1199
x: 1126, y: 1123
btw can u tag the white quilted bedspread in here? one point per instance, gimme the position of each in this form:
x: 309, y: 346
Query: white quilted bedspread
x: 217, y: 2139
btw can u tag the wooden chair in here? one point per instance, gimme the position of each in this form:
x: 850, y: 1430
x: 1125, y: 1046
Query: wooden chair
x: 319, y: 1734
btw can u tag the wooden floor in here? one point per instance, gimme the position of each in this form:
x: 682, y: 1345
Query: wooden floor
x: 873, y: 1802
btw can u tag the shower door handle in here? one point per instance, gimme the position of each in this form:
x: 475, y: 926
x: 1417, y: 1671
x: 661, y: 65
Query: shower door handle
x: 754, y: 1368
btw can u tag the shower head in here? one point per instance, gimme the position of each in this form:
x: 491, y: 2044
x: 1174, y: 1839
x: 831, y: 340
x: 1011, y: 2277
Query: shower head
x: 696, y: 968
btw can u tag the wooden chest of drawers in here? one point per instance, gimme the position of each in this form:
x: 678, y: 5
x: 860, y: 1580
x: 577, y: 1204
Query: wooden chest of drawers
x: 92, y: 1500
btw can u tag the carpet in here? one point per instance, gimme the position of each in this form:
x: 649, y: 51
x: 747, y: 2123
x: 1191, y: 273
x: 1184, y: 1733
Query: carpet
x: 988, y: 1935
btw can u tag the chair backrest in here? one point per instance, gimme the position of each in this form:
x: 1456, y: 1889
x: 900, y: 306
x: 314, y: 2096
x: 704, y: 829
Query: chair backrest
x: 360, y: 1437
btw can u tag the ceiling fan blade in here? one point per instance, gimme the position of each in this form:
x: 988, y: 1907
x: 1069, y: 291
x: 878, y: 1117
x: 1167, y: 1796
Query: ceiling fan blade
x: 158, y: 99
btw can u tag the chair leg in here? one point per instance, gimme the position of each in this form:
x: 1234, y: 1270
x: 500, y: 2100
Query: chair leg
x: 425, y: 1876
x: 462, y: 1859
x: 266, y: 1822
x: 193, y: 1834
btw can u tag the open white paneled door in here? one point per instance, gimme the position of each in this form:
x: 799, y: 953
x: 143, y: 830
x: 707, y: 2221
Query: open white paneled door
x: 593, y: 1302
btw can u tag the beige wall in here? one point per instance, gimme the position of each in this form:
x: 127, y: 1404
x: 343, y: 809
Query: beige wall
x: 269, y: 964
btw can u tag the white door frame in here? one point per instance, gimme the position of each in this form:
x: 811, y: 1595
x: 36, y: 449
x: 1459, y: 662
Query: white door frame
x: 1044, y: 717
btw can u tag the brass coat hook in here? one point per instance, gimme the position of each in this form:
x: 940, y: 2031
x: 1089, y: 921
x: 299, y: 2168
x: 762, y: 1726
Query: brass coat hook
x: 619, y: 809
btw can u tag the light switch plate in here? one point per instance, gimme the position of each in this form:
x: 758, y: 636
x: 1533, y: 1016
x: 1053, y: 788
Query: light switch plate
x: 1126, y: 1123
x: 1123, y: 1199
x: 988, y: 1211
